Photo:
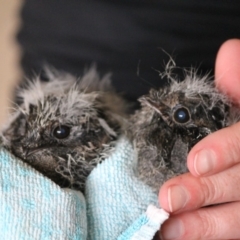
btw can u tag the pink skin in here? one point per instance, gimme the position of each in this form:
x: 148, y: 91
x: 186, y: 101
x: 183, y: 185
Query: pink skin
x: 214, y: 165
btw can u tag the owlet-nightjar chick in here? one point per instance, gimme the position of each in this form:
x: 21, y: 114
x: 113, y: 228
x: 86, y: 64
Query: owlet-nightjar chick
x: 171, y: 121
x: 66, y: 126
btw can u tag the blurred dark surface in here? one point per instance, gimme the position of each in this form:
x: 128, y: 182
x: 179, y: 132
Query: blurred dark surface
x: 126, y: 37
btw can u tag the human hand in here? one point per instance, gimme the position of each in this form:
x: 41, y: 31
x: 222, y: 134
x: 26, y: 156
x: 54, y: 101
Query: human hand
x: 214, y: 178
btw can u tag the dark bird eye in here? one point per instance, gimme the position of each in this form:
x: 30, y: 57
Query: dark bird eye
x: 61, y: 132
x: 181, y: 115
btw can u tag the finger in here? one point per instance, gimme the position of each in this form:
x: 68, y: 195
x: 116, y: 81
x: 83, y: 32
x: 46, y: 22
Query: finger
x: 216, y: 222
x: 227, y: 71
x: 216, y: 152
x: 186, y: 192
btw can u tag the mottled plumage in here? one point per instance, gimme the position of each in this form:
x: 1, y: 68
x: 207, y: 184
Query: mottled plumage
x: 66, y: 126
x: 171, y: 121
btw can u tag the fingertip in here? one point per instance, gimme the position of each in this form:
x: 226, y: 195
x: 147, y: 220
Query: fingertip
x: 163, y: 197
x: 203, y: 163
x: 227, y: 71
x: 174, y: 194
x: 202, y: 158
x: 215, y: 153
x: 172, y: 229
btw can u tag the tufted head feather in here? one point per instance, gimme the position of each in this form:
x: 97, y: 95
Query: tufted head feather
x: 66, y: 126
x: 172, y: 120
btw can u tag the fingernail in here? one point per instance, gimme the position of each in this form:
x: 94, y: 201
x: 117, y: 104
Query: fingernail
x: 204, y: 161
x: 173, y: 229
x: 177, y: 198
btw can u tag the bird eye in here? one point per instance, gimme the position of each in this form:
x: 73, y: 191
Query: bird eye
x: 61, y: 132
x: 181, y: 115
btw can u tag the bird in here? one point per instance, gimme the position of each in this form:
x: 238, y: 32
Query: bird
x: 65, y: 126
x: 171, y: 120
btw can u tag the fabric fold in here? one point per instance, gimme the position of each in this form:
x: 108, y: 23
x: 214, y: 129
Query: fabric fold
x: 117, y: 200
x: 33, y: 207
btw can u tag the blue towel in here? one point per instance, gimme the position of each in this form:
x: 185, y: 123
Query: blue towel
x: 32, y: 207
x: 117, y: 205
x: 117, y: 202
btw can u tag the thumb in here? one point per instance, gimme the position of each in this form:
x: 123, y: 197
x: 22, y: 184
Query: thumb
x: 227, y: 73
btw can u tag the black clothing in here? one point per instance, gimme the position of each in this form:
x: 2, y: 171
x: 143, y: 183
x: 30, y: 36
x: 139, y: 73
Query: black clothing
x: 124, y: 36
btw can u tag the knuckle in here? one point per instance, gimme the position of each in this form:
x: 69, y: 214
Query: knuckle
x: 207, y: 224
x: 220, y: 188
x: 234, y: 145
x: 210, y: 191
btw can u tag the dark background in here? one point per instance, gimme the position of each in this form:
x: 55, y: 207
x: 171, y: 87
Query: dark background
x: 126, y: 36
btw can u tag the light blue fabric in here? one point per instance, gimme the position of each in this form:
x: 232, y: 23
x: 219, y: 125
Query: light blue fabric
x: 117, y: 201
x: 116, y: 204
x: 32, y: 207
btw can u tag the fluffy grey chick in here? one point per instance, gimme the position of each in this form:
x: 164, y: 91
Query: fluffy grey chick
x: 65, y: 127
x: 171, y: 121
